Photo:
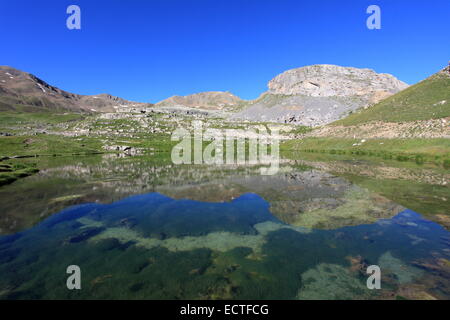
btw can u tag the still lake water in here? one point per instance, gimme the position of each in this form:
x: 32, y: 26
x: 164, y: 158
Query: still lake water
x: 141, y: 228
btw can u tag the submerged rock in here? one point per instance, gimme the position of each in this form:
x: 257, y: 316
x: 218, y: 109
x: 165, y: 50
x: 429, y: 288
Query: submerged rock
x: 332, y: 282
x: 85, y: 234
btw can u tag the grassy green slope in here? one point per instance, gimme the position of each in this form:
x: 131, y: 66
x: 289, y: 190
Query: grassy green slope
x: 428, y: 99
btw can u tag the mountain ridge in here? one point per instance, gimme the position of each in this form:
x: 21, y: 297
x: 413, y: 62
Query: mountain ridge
x: 24, y: 91
x: 311, y: 96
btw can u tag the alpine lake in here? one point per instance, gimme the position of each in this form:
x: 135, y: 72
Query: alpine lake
x: 140, y: 227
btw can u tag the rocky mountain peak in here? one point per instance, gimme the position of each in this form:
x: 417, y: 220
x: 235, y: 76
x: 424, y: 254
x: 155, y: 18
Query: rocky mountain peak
x: 330, y: 80
x: 205, y: 100
x: 25, y: 89
x: 319, y: 94
x: 16, y: 82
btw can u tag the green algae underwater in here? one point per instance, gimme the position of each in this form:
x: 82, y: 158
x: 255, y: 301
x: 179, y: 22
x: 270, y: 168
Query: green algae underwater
x: 142, y: 228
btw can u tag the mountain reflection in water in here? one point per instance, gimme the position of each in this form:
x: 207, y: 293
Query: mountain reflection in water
x: 140, y: 230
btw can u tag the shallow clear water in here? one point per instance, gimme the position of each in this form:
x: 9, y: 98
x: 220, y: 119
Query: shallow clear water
x: 153, y: 231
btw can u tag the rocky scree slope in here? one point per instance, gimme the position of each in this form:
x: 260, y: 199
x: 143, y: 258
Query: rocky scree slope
x: 319, y: 94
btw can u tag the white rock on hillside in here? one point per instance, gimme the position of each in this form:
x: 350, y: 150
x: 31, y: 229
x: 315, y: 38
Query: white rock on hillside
x: 330, y: 80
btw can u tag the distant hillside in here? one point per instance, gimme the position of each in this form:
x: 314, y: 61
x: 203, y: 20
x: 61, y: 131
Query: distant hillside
x: 212, y: 100
x: 428, y: 99
x: 21, y: 91
x: 319, y: 94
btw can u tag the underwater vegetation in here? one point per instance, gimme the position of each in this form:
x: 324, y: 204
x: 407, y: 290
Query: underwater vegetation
x: 141, y: 228
x: 154, y: 247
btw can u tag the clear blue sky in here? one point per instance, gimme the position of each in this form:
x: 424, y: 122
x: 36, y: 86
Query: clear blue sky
x: 150, y: 50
